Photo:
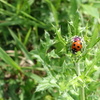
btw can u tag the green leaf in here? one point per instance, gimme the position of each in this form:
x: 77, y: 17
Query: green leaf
x: 91, y: 66
x: 39, y: 59
x: 20, y: 44
x: 25, y: 14
x: 52, y: 8
x: 34, y: 76
x: 2, y: 11
x: 30, y: 2
x: 6, y: 3
x: 90, y: 10
x: 94, y: 38
x: 8, y: 60
x: 53, y: 54
x: 33, y: 18
x: 27, y: 37
x: 46, y: 83
x: 48, y: 41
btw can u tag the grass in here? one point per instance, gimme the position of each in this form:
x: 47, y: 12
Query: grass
x: 36, y: 61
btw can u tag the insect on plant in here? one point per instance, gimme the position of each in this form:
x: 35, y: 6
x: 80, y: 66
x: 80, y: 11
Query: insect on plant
x: 76, y: 45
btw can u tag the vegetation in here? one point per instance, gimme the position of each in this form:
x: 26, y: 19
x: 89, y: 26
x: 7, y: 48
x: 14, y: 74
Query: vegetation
x: 36, y: 61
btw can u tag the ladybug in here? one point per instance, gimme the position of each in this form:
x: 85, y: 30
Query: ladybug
x: 76, y: 45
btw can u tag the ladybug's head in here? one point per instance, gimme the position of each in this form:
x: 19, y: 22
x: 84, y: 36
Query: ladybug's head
x: 76, y: 38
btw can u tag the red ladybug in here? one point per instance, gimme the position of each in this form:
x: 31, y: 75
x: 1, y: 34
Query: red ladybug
x: 76, y: 45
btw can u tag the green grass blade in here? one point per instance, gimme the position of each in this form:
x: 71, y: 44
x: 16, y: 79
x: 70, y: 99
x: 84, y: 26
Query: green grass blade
x: 25, y: 14
x: 54, y: 11
x: 2, y: 11
x: 27, y: 36
x: 20, y: 44
x: 6, y: 3
x: 8, y: 60
x: 31, y: 17
x: 93, y: 38
x: 8, y: 23
x: 93, y: 41
x: 95, y: 60
x: 4, y: 56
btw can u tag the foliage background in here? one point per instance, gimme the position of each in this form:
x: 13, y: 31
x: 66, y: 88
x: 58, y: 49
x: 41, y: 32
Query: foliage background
x: 36, y: 62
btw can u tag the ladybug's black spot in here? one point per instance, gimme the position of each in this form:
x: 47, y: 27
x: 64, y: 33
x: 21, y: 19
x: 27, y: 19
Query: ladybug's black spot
x: 73, y: 44
x: 80, y: 43
x: 78, y: 46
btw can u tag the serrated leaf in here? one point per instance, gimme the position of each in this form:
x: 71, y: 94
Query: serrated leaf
x: 39, y: 59
x: 47, y: 35
x: 53, y: 54
x: 48, y: 41
x: 88, y: 62
x: 64, y: 66
x: 46, y: 83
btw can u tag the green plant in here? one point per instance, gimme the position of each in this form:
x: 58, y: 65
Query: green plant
x: 36, y: 61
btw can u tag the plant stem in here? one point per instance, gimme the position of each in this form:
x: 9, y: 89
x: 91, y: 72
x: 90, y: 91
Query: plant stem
x: 77, y: 69
x: 81, y: 89
x: 82, y: 93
